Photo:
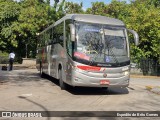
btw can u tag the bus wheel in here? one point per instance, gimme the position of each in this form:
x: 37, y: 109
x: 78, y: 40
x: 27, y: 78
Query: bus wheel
x: 61, y: 83
x: 41, y: 71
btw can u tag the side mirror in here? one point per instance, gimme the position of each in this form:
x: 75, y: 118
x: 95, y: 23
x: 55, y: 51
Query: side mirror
x: 136, y: 37
x: 72, y: 31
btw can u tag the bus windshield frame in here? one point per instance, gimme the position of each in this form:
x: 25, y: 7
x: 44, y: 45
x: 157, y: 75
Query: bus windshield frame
x: 101, y: 45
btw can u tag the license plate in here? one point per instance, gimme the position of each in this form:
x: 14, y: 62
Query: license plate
x: 104, y: 82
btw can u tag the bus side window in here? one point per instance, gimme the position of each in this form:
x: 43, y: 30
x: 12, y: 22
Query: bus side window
x: 68, y: 39
x: 60, y: 34
x: 58, y: 30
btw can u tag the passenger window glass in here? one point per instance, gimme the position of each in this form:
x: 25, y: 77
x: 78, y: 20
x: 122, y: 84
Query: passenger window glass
x: 68, y: 39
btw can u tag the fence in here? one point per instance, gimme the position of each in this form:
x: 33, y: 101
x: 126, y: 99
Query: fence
x: 150, y: 67
x: 146, y: 67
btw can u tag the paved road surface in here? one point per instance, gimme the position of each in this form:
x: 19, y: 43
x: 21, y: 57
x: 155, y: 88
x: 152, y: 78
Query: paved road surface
x: 24, y: 90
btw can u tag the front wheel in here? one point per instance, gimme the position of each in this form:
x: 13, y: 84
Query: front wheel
x: 61, y: 83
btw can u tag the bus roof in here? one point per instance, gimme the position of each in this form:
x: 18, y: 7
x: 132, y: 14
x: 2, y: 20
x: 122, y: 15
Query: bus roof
x: 92, y: 19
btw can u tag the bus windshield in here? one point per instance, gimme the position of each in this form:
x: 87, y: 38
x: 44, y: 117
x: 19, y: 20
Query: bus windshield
x: 98, y: 43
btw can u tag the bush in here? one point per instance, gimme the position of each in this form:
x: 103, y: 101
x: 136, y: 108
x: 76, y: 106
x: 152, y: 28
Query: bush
x: 3, y: 60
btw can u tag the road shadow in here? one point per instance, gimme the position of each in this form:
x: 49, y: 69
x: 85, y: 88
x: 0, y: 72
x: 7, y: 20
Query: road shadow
x: 22, y: 77
x: 51, y: 79
x: 96, y: 91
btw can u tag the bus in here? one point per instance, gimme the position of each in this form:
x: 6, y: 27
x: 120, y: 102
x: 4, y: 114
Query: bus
x: 86, y: 50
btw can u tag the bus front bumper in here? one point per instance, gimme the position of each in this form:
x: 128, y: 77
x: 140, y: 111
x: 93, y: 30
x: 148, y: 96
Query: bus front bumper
x: 80, y: 79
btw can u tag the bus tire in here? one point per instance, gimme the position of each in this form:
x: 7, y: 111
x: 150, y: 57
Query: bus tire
x: 61, y: 83
x: 41, y: 71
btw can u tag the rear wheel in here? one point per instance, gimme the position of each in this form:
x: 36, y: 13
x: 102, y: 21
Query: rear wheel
x: 61, y: 83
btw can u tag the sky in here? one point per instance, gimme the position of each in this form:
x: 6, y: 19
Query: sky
x: 87, y: 3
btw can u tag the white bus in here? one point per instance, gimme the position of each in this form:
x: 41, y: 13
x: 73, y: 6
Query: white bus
x: 86, y: 50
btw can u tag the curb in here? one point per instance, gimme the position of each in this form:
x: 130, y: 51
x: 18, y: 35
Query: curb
x: 155, y: 89
x: 141, y: 76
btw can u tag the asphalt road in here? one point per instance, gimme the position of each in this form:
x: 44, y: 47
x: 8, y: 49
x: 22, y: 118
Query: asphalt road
x: 24, y: 90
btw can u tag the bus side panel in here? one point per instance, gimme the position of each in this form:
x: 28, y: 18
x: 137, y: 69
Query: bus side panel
x: 49, y: 59
x: 54, y: 57
x: 61, y: 61
x: 44, y: 60
x: 69, y: 67
x: 57, y: 59
x: 38, y: 59
x: 52, y: 61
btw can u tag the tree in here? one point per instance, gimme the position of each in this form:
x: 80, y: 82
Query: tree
x: 32, y: 19
x: 35, y: 16
x: 144, y: 19
x: 98, y: 8
x: 71, y: 7
x: 59, y: 10
x: 9, y: 11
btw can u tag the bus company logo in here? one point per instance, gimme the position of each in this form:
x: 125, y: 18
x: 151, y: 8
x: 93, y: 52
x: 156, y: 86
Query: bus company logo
x: 105, y: 75
x: 6, y: 114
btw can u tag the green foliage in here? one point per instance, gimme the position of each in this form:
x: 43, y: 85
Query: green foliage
x: 144, y: 19
x: 3, y: 53
x: 32, y: 19
x: 3, y: 57
x: 97, y: 8
x: 20, y: 21
x: 9, y: 12
x: 71, y: 7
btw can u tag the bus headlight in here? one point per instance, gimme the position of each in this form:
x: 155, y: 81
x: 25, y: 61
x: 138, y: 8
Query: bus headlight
x: 125, y: 73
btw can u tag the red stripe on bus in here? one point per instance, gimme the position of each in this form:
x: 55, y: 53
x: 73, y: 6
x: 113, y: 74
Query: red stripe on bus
x: 89, y: 68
